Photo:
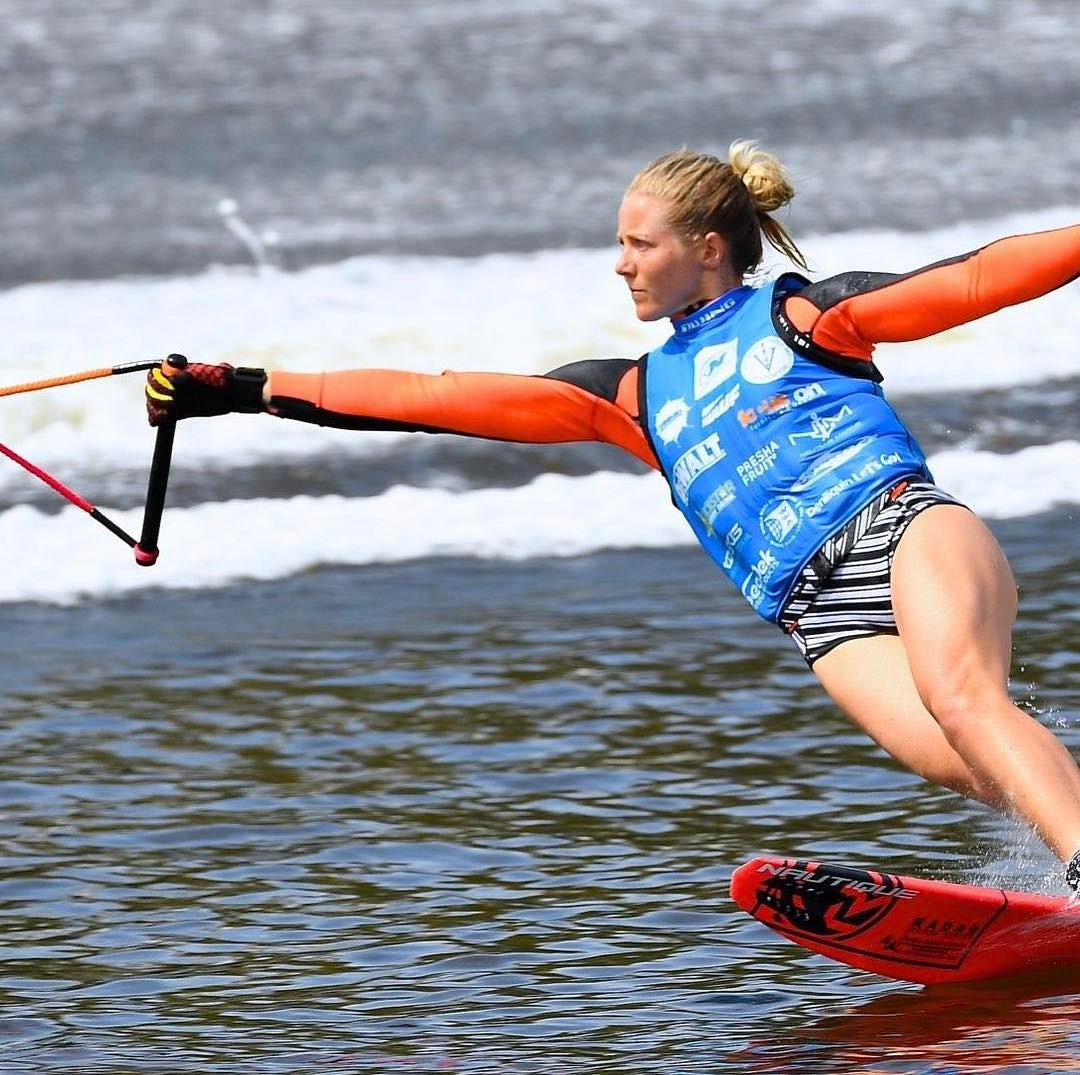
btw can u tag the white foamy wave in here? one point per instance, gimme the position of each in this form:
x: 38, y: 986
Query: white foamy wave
x: 216, y: 543
x: 515, y: 313
x: 59, y: 558
x: 1008, y: 486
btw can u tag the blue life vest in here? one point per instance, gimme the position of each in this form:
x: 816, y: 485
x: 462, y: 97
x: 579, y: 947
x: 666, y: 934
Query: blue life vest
x: 768, y: 452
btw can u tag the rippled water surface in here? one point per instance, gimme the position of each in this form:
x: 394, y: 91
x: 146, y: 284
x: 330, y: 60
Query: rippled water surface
x: 457, y: 815
x: 469, y: 817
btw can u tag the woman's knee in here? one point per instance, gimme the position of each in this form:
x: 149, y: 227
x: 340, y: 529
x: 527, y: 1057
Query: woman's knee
x: 962, y: 707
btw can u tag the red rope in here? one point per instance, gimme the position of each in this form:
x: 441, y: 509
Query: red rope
x: 48, y: 479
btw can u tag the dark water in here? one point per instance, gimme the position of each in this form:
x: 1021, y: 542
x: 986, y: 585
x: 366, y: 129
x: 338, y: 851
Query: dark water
x: 480, y: 125
x: 472, y: 817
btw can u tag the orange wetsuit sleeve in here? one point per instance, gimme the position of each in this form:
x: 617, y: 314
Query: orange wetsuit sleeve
x: 586, y: 401
x: 848, y: 314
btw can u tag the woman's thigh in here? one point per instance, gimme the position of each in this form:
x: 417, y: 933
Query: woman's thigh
x: 954, y: 598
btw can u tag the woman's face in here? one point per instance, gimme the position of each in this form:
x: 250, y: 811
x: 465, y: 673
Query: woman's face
x: 665, y: 272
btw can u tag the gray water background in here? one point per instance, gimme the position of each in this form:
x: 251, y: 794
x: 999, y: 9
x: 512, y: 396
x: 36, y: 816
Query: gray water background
x: 477, y: 125
x: 480, y: 817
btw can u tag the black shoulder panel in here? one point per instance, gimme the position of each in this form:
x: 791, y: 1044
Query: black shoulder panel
x: 828, y: 293
x: 831, y: 292
x: 798, y: 341
x: 597, y: 376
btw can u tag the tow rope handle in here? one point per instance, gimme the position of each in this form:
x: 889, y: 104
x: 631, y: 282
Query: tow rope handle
x: 146, y: 548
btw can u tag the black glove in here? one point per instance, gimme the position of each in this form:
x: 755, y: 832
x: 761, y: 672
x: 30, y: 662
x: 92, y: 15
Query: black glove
x: 181, y: 389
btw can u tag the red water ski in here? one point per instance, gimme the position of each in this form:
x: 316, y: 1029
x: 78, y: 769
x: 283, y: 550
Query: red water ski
x: 904, y: 927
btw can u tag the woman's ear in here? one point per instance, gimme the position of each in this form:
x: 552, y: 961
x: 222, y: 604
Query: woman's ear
x: 714, y: 249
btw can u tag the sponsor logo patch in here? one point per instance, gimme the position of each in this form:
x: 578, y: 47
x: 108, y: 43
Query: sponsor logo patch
x: 721, y: 497
x: 671, y: 420
x: 865, y: 471
x: 753, y: 587
x: 720, y: 406
x: 827, y: 464
x: 733, y: 537
x: 780, y: 520
x: 822, y: 427
x: 694, y: 462
x: 766, y: 361
x: 692, y: 323
x: 758, y: 463
x: 781, y: 403
x: 713, y: 365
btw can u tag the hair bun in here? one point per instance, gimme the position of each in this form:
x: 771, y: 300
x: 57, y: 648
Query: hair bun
x: 762, y: 175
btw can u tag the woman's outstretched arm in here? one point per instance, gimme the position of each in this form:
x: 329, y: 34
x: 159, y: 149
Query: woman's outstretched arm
x: 584, y: 401
x: 848, y: 314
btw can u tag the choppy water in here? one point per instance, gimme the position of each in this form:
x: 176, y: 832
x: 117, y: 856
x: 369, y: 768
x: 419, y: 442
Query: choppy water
x: 411, y: 754
x: 478, y: 818
x: 483, y: 125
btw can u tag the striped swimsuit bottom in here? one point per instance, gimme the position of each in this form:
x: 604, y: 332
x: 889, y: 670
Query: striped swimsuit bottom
x: 845, y: 590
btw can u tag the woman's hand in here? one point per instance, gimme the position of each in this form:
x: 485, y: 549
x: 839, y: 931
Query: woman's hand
x: 180, y: 389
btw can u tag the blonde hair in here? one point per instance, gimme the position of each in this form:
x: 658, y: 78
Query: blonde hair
x: 733, y: 198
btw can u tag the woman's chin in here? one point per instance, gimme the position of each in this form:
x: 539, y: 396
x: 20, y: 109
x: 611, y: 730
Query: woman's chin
x: 647, y: 311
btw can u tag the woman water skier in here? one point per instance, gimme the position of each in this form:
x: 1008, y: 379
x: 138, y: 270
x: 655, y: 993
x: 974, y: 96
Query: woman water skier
x: 764, y: 413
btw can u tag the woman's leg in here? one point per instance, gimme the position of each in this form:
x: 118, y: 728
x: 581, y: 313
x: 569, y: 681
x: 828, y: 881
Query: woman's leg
x: 955, y: 601
x: 870, y: 680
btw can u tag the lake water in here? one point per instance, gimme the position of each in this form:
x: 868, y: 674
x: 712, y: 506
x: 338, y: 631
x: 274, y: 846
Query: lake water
x: 423, y: 754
